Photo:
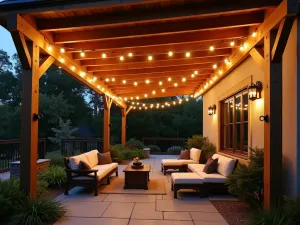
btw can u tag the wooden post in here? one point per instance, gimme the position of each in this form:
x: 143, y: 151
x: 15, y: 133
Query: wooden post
x: 273, y: 127
x: 106, y: 123
x: 29, y: 126
x: 123, y: 114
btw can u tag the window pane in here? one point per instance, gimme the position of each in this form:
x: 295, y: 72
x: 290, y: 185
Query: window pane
x: 245, y: 106
x: 225, y: 111
x: 238, y: 108
x: 245, y: 147
x: 225, y: 136
x: 230, y: 110
x: 230, y: 142
x: 238, y: 136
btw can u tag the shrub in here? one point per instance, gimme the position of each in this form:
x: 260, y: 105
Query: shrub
x: 37, y: 212
x: 116, y: 152
x: 175, y: 149
x: 285, y: 214
x: 55, y: 158
x: 246, y: 182
x: 208, y: 149
x: 132, y: 153
x: 132, y: 143
x: 55, y: 176
x: 197, y: 141
x: 154, y: 148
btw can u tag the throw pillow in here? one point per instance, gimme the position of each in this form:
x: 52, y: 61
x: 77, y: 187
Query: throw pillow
x: 211, y: 166
x: 104, y: 158
x: 184, y: 154
x: 84, y: 166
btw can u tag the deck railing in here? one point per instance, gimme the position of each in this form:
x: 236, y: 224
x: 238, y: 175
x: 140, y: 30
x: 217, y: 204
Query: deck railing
x: 75, y: 146
x: 165, y: 143
x: 10, y: 152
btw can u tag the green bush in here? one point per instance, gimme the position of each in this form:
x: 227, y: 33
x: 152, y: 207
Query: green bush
x: 246, y: 182
x: 39, y: 211
x: 55, y: 176
x: 132, y: 143
x: 56, y: 158
x: 287, y: 213
x: 208, y: 149
x: 132, y: 153
x: 116, y: 152
x: 154, y: 148
x: 197, y: 141
x: 175, y: 149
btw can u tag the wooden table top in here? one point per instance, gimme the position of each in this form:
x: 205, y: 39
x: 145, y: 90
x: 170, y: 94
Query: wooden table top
x: 146, y: 168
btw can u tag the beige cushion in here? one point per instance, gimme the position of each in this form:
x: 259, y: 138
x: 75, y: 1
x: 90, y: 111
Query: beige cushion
x: 225, y: 164
x: 186, y: 178
x: 187, y: 162
x: 196, y: 167
x: 212, y: 177
x: 171, y: 162
x: 92, y: 157
x: 195, y: 154
x: 110, y: 166
x: 75, y: 160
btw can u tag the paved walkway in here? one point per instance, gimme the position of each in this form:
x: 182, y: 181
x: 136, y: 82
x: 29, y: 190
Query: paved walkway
x: 130, y: 209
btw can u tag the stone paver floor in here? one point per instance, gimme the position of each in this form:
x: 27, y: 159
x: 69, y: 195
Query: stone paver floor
x: 131, y: 209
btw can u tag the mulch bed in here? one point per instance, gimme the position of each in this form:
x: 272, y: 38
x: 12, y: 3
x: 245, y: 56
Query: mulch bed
x: 234, y: 212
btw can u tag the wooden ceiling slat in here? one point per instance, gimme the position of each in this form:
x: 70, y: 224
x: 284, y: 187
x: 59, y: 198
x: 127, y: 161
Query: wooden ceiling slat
x: 160, y: 28
x: 169, y: 93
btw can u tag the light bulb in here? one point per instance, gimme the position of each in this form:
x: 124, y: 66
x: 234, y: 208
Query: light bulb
x: 132, y: 103
x: 160, y: 83
x: 121, y: 58
x: 107, y: 79
x: 163, y: 106
x: 163, y: 90
x: 215, y: 66
x: 150, y: 57
x: 82, y: 54
x: 143, y: 104
x: 183, y: 79
x: 137, y: 97
x: 103, y: 55
x: 146, y: 108
x: 220, y: 72
x: 113, y: 79
x: 98, y: 86
x: 175, y: 84
x: 211, y: 48
x: 94, y: 79
x: 135, y: 83
x: 193, y: 75
x: 72, y: 68
x: 196, y: 72
x: 242, y: 48
x: 153, y: 92
x: 187, y: 54
x: 170, y: 53
x: 130, y: 54
x: 82, y: 74
x: 124, y: 81
x: 147, y: 81
x: 232, y: 43
x: 125, y: 98
x: 146, y: 95
x: 50, y: 48
x: 169, y: 79
x: 62, y: 60
x: 62, y: 50
x: 131, y: 98
x: 254, y: 34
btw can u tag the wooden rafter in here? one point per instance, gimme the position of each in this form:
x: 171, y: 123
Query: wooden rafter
x: 22, y: 48
x: 45, y: 63
x: 258, y: 55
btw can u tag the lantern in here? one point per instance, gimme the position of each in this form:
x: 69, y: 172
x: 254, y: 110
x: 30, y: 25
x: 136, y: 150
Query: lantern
x: 254, y: 91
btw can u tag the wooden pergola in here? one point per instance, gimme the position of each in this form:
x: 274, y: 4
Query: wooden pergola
x: 129, y: 49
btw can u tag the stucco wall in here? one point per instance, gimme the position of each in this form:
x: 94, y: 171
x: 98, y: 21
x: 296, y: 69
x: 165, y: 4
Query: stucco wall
x: 289, y: 116
x: 210, y: 123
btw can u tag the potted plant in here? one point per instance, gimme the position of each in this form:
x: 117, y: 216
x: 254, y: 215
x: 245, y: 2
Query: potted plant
x: 137, y: 162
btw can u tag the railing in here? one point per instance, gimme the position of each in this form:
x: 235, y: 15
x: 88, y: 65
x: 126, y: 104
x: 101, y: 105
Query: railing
x: 166, y: 143
x: 75, y: 146
x: 10, y: 152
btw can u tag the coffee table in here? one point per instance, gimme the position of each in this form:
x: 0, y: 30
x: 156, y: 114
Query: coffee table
x: 137, y: 178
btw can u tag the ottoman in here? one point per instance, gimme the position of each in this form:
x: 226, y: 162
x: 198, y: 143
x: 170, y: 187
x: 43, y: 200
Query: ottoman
x: 186, y: 181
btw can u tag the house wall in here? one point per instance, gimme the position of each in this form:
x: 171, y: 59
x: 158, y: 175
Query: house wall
x: 245, y: 72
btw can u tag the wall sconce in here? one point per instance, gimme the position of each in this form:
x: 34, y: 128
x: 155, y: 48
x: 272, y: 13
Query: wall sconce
x: 212, y: 110
x: 254, y: 91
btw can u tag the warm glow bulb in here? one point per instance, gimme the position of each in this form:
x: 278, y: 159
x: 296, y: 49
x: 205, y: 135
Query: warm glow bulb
x: 98, y: 86
x: 62, y: 50
x: 135, y: 83
x: 131, y: 98
x: 232, y: 43
x: 187, y: 54
x: 82, y: 74
x: 137, y: 97
x: 50, y: 48
x: 62, y: 60
x: 220, y: 72
x: 147, y: 81
x: 163, y: 90
x: 175, y: 84
x: 242, y: 48
x: 170, y: 53
x: 183, y: 79
x: 73, y: 68
x: 211, y: 48
x: 94, y: 79
x: 121, y: 58
x: 169, y: 79
x: 107, y: 79
x: 150, y: 57
x: 153, y: 92
x: 137, y: 103
x: 125, y: 98
x: 146, y: 108
x: 196, y: 72
x: 113, y: 79
x: 193, y: 75
x: 82, y: 54
x: 160, y: 83
x: 143, y: 104
x: 146, y: 95
x: 130, y: 54
x: 254, y: 34
x: 103, y: 55
x: 124, y: 81
x: 215, y: 66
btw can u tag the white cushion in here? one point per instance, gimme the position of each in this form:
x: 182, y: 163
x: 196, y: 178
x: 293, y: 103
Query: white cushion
x: 75, y: 160
x: 225, y: 164
x: 92, y: 157
x: 171, y: 162
x: 186, y: 178
x: 195, y: 154
x: 196, y: 167
x: 188, y: 161
x: 212, y: 177
x: 110, y: 166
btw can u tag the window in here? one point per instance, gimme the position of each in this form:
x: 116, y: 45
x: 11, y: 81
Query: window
x: 234, y: 124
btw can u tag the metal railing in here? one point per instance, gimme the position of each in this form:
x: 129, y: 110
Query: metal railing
x: 165, y: 143
x: 10, y: 152
x: 75, y: 146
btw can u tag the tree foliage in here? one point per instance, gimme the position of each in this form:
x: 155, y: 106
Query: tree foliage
x: 64, y: 131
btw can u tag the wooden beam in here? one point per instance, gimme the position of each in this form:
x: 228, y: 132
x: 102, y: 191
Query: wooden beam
x: 154, y: 83
x: 282, y: 36
x: 168, y: 39
x: 287, y: 7
x: 45, y: 63
x: 123, y: 130
x: 204, y: 53
x: 29, y: 125
x: 62, y: 60
x: 22, y: 48
x: 106, y: 123
x: 155, y: 64
x: 272, y: 128
x: 161, y: 28
x: 258, y: 55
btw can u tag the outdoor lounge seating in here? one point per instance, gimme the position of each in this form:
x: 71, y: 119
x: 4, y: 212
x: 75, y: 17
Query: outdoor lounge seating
x: 181, y: 164
x: 198, y: 180
x: 87, y: 177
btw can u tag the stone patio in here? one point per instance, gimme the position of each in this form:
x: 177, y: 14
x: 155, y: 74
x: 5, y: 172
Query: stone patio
x: 131, y: 209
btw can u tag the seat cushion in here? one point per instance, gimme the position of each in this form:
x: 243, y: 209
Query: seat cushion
x: 195, y: 154
x: 196, y: 167
x: 187, y: 162
x: 186, y: 178
x: 110, y: 166
x: 171, y: 162
x: 225, y: 164
x: 212, y: 177
x: 92, y: 157
x: 75, y: 160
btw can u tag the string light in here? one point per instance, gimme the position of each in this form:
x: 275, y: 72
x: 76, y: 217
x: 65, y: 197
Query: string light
x: 160, y: 83
x: 137, y: 97
x: 135, y: 83
x: 72, y: 68
x: 254, y: 34
x: 124, y: 81
x: 50, y: 47
x: 62, y: 50
x: 163, y: 90
x: 103, y: 55
x: 169, y: 79
x: 183, y: 79
x: 146, y: 95
x: 195, y: 72
x: 98, y: 86
x: 220, y: 72
x: 215, y: 66
x: 94, y: 79
x: 130, y: 54
x: 107, y: 79
x: 153, y: 92
x: 232, y: 43
x: 211, y: 48
x: 150, y: 57
x: 193, y: 75
x: 242, y: 48
x: 82, y: 74
x: 125, y: 99
x: 187, y: 54
x: 170, y: 53
x: 175, y: 84
x: 113, y: 79
x: 121, y: 58
x: 82, y: 54
x: 62, y: 60
x: 147, y: 81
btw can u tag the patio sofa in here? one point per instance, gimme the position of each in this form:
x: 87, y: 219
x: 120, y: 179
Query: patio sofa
x: 93, y: 177
x: 181, y: 164
x: 196, y: 179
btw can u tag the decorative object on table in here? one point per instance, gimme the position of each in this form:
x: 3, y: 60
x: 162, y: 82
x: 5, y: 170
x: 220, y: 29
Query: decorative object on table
x: 137, y: 163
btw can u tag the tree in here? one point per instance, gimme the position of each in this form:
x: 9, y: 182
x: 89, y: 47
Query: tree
x: 64, y: 131
x: 5, y: 63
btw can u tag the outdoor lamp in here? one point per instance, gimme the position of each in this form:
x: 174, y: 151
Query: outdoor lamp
x: 212, y: 110
x: 254, y: 91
